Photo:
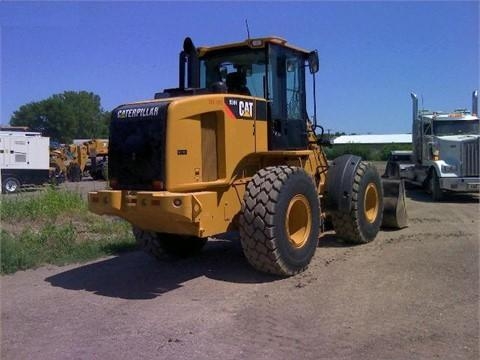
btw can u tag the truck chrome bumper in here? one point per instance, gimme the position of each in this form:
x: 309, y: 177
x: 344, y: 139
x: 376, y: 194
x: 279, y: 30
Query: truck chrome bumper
x: 460, y: 184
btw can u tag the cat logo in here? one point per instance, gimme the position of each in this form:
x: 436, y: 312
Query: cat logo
x: 245, y: 109
x: 240, y: 108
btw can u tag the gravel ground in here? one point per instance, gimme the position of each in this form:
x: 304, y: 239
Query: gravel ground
x: 410, y: 294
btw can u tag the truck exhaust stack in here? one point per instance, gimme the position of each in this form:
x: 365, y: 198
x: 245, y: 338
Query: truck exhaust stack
x: 415, y: 105
x: 475, y: 103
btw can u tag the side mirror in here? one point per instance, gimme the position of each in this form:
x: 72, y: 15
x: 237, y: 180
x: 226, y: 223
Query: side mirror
x: 313, y: 62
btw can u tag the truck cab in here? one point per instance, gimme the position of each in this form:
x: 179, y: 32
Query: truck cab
x: 445, y: 154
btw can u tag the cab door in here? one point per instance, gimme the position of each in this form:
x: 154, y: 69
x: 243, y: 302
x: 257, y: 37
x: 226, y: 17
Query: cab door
x: 287, y: 105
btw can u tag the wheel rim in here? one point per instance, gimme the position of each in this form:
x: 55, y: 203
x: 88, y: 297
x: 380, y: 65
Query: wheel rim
x: 371, y: 203
x: 298, y: 222
x: 11, y: 186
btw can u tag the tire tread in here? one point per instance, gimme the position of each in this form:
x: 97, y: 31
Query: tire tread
x: 257, y: 220
x: 347, y: 225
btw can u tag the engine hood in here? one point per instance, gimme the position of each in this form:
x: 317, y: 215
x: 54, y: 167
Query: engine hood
x: 460, y: 151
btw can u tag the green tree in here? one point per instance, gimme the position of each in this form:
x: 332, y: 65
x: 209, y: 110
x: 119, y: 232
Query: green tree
x: 64, y: 117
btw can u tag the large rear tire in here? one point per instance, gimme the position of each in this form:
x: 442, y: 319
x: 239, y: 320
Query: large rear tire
x: 280, y: 220
x: 160, y: 245
x: 363, y: 222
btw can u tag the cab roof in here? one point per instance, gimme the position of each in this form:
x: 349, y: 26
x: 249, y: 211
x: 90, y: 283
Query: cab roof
x: 252, y: 43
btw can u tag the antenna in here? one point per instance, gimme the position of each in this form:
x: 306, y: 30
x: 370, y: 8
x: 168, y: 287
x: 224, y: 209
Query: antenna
x: 248, y: 30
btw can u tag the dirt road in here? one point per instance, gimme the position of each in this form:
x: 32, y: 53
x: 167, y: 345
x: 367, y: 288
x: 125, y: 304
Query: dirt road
x: 410, y: 294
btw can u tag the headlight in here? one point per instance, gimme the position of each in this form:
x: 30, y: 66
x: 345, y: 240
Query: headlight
x: 449, y: 168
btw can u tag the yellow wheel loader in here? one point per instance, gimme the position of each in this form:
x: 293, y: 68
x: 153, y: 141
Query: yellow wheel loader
x: 232, y: 148
x: 74, y: 160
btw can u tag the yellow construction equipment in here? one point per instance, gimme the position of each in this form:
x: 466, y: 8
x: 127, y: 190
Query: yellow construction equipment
x: 75, y: 161
x: 232, y: 148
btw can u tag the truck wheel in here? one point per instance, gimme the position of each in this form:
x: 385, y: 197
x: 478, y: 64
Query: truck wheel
x: 280, y: 220
x: 434, y: 186
x: 362, y: 224
x: 74, y: 173
x: 10, y: 185
x: 160, y: 244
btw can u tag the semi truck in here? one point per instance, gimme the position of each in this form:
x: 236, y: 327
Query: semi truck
x: 445, y: 151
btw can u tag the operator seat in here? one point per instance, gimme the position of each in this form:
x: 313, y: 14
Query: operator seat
x: 237, y: 83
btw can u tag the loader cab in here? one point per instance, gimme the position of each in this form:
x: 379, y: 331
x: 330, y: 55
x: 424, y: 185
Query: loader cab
x: 267, y: 69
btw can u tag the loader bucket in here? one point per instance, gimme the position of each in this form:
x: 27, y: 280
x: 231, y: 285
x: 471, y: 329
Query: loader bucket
x: 394, y: 209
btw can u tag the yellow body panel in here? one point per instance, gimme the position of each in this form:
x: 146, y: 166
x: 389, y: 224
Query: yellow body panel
x: 97, y: 147
x: 201, y: 214
x: 234, y: 140
x: 210, y: 156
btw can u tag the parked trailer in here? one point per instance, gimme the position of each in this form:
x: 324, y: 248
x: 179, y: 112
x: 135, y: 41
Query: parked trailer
x: 24, y: 160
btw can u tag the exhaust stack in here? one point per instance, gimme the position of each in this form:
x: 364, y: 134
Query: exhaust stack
x: 415, y: 105
x: 475, y: 103
x: 189, y: 59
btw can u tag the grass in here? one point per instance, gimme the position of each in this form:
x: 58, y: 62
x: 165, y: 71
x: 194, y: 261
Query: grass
x: 55, y: 227
x: 47, y: 204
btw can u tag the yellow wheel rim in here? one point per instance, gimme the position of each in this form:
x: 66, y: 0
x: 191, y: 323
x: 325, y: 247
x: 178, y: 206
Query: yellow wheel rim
x: 371, y: 203
x: 298, y: 222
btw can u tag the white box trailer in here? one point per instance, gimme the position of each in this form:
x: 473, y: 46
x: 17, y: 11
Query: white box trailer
x: 24, y: 159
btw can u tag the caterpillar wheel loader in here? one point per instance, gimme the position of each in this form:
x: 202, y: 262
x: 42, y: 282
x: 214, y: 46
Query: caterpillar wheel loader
x: 75, y: 160
x: 232, y: 148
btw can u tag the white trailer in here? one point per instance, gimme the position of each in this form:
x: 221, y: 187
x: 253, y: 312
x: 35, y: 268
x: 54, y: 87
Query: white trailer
x: 445, y: 154
x: 24, y: 159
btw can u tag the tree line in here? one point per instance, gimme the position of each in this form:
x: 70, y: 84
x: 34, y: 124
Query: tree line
x: 66, y: 116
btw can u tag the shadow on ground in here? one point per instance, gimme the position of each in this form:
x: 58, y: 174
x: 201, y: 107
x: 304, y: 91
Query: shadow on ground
x: 330, y: 240
x: 136, y: 275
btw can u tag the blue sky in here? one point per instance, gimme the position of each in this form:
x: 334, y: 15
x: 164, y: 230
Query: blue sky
x: 372, y: 54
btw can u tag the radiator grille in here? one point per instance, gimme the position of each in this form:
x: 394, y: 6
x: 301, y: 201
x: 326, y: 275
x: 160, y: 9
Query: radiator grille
x: 137, y: 146
x: 470, y: 159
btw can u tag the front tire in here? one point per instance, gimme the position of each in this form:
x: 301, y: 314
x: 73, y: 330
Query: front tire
x: 161, y: 245
x: 280, y: 220
x: 434, y: 186
x: 363, y: 222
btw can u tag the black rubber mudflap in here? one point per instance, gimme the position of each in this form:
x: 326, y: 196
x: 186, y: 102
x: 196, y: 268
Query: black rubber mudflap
x: 394, y: 208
